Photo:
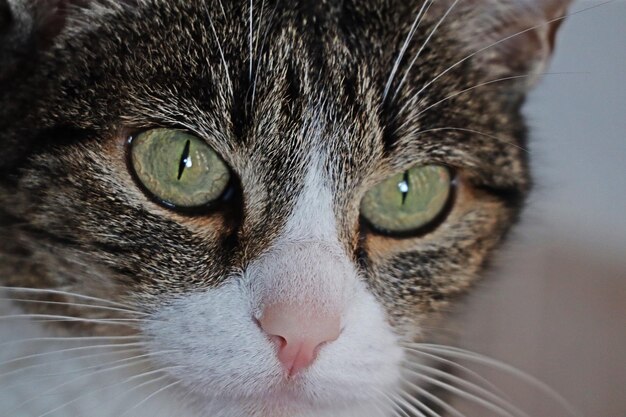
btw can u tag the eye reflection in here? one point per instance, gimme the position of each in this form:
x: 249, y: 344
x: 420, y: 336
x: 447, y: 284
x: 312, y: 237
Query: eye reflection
x: 179, y: 169
x: 408, y: 201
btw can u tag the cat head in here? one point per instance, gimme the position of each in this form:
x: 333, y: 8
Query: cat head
x: 286, y: 193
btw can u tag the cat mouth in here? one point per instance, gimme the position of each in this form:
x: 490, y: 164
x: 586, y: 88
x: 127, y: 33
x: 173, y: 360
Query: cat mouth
x: 283, y: 401
x: 291, y: 394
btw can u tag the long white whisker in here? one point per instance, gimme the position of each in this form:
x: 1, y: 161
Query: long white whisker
x: 436, y: 400
x: 260, y: 52
x: 491, y: 397
x: 476, y: 357
x: 548, y: 22
x: 383, y: 404
x: 223, y: 10
x: 60, y: 318
x: 465, y: 369
x: 419, y: 52
x: 420, y: 404
x: 80, y: 348
x: 251, y: 38
x: 148, y: 382
x: 65, y: 293
x: 78, y: 378
x: 221, y: 51
x: 511, y: 78
x: 151, y: 396
x: 477, y: 132
x: 132, y: 378
x: 392, y: 403
x: 68, y: 339
x: 256, y: 52
x: 405, y: 45
x: 100, y: 365
x: 258, y: 30
x: 77, y: 358
x: 412, y: 408
x: 471, y: 397
x: 63, y: 303
x: 383, y: 407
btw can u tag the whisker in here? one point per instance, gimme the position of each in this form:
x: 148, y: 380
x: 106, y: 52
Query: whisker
x: 143, y: 384
x: 430, y: 35
x: 383, y: 407
x: 68, y: 339
x: 465, y: 369
x: 260, y: 52
x: 77, y: 358
x: 548, y: 22
x: 486, y: 83
x: 502, y: 366
x: 100, y: 365
x: 409, y: 406
x: 65, y: 293
x: 494, y: 399
x: 221, y: 51
x: 78, y: 378
x: 463, y: 394
x: 80, y: 348
x: 420, y: 405
x: 392, y: 404
x: 151, y: 396
x: 258, y: 30
x: 45, y: 318
x: 250, y: 38
x: 132, y: 378
x: 477, y: 132
x: 405, y: 45
x: 63, y: 303
x: 222, y: 8
x: 436, y: 400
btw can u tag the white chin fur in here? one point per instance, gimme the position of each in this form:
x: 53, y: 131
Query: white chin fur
x: 224, y: 358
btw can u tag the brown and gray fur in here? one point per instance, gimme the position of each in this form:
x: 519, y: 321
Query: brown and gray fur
x: 78, y: 77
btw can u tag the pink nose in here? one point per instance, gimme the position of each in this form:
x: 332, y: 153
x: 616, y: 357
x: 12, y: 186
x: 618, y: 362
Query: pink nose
x: 298, y: 334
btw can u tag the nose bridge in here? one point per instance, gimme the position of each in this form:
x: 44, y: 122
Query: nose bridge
x: 314, y: 275
x: 306, y: 265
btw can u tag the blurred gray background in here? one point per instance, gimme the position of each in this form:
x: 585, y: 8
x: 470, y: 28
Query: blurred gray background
x: 555, y: 305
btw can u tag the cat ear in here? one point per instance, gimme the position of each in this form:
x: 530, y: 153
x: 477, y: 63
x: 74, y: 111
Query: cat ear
x: 522, y: 34
x: 27, y: 26
x: 41, y: 18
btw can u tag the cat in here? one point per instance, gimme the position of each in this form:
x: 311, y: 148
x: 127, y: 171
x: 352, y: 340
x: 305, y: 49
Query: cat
x: 264, y: 205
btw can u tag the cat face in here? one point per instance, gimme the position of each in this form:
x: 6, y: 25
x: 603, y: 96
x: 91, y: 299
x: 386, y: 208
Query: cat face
x: 289, y: 288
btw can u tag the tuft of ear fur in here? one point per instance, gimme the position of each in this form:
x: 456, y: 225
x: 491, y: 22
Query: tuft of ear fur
x: 518, y: 36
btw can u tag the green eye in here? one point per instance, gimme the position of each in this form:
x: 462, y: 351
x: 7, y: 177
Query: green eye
x: 179, y: 169
x: 408, y: 201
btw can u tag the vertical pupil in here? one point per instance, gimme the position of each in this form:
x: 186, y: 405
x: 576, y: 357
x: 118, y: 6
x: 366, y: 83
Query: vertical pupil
x: 404, y: 185
x: 185, y: 161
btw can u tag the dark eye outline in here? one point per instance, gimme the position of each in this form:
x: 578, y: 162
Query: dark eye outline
x: 222, y: 203
x: 367, y: 227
